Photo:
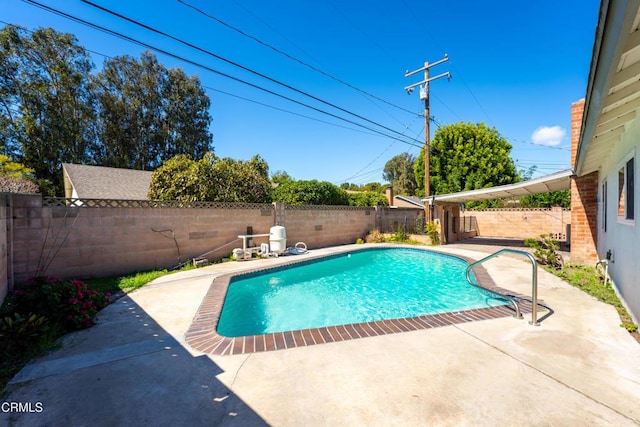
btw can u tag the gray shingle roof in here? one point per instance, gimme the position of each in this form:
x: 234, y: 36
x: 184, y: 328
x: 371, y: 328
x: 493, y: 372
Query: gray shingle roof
x: 99, y: 182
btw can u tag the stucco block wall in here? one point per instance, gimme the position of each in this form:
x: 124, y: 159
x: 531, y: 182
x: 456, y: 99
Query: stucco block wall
x: 521, y: 223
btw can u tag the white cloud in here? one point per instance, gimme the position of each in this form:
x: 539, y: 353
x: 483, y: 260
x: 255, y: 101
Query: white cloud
x: 548, y: 136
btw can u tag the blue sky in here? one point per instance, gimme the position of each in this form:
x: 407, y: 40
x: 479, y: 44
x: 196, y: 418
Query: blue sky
x: 516, y: 66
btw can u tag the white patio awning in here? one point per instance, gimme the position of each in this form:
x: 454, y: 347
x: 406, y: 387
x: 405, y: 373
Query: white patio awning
x: 554, y: 182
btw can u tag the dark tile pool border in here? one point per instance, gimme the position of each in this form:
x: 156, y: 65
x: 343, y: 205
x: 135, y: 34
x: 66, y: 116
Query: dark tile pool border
x: 203, y: 336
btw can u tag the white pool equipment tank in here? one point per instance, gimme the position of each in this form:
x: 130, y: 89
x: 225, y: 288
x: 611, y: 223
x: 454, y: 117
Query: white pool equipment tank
x: 278, y: 239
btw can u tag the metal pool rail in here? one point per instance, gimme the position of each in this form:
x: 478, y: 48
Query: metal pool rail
x: 534, y: 282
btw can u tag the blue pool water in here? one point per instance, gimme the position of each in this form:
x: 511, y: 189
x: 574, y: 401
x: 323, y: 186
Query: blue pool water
x: 361, y: 286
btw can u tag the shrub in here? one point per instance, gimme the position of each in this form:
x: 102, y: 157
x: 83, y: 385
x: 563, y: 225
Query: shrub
x: 545, y: 250
x: 375, y: 236
x: 73, y: 304
x: 20, y: 334
x: 431, y: 228
x: 400, y: 236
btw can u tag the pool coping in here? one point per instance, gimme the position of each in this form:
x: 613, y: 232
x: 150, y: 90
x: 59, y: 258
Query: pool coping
x: 202, y: 335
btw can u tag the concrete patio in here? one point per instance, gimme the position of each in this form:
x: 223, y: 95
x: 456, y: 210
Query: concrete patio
x: 577, y: 368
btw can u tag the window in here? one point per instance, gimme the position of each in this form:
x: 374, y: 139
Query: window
x: 626, y: 199
x: 630, y: 190
x: 604, y: 206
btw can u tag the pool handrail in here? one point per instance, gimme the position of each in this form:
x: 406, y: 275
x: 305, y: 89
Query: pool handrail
x: 534, y: 282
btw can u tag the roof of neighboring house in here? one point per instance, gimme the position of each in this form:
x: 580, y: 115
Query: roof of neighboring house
x: 411, y: 200
x: 99, y: 182
x: 613, y: 89
x: 552, y: 182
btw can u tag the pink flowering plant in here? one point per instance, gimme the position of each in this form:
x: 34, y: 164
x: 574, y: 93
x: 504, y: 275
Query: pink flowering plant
x: 71, y: 304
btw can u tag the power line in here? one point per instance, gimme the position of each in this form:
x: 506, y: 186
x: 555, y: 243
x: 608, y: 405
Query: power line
x: 453, y: 65
x: 284, y: 110
x: 291, y: 57
x: 376, y: 158
x: 235, y: 64
x: 205, y: 67
x: 222, y: 91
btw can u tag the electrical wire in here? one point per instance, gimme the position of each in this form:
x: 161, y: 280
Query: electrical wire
x: 291, y: 57
x: 210, y: 69
x: 224, y: 92
x: 284, y: 110
x: 234, y: 64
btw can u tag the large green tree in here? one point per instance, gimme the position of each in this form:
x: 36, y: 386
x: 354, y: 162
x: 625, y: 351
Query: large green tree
x: 149, y: 113
x: 367, y: 198
x: 399, y: 171
x: 311, y: 192
x: 467, y: 156
x: 47, y: 113
x: 211, y: 179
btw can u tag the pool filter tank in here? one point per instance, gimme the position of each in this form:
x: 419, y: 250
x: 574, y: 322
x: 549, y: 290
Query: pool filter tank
x: 278, y: 239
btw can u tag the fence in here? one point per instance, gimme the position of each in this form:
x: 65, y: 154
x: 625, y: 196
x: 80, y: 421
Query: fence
x: 390, y: 220
x: 521, y: 223
x: 467, y: 224
x: 101, y: 238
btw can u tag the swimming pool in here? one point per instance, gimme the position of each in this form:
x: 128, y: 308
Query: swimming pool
x: 203, y: 336
x: 361, y: 286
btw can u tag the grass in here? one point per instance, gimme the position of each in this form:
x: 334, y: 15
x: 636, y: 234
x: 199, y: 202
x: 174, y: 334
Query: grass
x: 132, y: 282
x: 590, y: 280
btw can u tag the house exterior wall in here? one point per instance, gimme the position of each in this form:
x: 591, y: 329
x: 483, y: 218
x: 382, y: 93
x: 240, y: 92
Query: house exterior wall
x: 622, y: 236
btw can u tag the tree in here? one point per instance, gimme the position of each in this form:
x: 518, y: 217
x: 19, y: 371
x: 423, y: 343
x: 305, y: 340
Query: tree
x: 399, y: 171
x: 149, y: 114
x: 279, y: 177
x: 309, y: 193
x: 367, y: 198
x: 467, y: 156
x: 211, y: 179
x: 376, y: 187
x: 46, y: 107
x: 560, y: 198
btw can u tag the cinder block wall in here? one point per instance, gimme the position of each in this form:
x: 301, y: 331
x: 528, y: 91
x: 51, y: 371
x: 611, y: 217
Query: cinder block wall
x: 4, y: 246
x: 96, y: 242
x: 320, y: 226
x: 87, y: 242
x: 521, y: 223
x: 390, y: 219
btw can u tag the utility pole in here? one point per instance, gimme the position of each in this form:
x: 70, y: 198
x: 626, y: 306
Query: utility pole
x: 424, y: 95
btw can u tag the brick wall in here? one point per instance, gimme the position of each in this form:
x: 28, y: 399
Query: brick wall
x: 584, y: 200
x: 521, y: 223
x: 577, y: 110
x: 584, y: 218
